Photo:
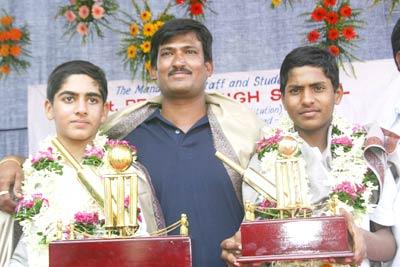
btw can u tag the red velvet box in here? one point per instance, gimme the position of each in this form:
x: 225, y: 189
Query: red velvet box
x: 169, y: 251
x: 295, y: 239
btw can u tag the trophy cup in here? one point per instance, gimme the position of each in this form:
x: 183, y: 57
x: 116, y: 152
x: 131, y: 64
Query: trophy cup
x: 119, y: 246
x: 292, y: 233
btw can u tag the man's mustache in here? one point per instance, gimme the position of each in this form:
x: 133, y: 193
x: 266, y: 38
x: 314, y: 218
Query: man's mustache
x: 180, y: 70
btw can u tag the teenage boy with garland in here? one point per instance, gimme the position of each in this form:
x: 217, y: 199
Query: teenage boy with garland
x: 177, y: 134
x: 309, y: 78
x: 76, y: 101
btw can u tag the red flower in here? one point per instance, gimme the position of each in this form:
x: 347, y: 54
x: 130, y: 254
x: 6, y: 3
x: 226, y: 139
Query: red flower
x: 180, y: 2
x: 318, y: 14
x: 332, y: 17
x: 333, y: 34
x: 313, y: 36
x: 334, y: 50
x: 345, y: 11
x: 196, y: 9
x: 329, y: 3
x: 349, y: 33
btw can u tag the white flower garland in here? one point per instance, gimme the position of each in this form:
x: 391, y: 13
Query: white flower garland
x: 347, y: 165
x: 41, y: 229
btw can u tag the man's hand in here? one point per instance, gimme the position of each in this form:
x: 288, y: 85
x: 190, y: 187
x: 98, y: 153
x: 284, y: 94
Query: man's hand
x: 231, y: 248
x: 11, y: 177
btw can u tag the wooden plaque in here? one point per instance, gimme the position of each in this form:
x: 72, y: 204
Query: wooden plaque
x: 169, y: 251
x: 295, y: 239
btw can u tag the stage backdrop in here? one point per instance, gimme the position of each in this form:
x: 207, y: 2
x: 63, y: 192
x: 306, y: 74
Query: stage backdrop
x: 258, y: 89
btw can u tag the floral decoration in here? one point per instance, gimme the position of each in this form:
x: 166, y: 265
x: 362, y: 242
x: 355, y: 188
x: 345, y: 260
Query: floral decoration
x: 46, y: 160
x: 334, y: 27
x: 194, y: 8
x: 136, y: 43
x: 13, y: 42
x: 87, y: 17
x: 351, y: 180
x: 86, y: 222
x: 30, y: 206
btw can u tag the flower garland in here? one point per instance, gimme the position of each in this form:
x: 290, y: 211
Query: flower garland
x: 13, y: 41
x: 136, y: 44
x: 335, y: 25
x: 351, y: 181
x: 87, y: 17
x: 41, y: 208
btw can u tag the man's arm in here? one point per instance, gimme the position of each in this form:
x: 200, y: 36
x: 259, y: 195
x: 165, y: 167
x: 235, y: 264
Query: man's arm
x: 11, y: 177
x: 381, y: 244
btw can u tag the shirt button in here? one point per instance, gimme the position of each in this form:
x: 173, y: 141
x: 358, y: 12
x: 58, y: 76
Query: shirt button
x: 177, y: 131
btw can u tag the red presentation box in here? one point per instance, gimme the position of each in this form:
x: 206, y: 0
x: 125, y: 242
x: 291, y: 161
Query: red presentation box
x: 168, y: 251
x: 295, y: 239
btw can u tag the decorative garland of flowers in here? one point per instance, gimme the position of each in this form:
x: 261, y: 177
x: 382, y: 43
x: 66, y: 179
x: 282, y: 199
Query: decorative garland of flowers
x: 136, y: 44
x: 87, y: 17
x: 36, y: 211
x: 194, y: 8
x: 350, y: 179
x: 13, y: 42
x: 335, y: 25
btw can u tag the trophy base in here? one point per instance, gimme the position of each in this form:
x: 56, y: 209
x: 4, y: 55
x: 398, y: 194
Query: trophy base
x: 168, y: 251
x: 295, y: 239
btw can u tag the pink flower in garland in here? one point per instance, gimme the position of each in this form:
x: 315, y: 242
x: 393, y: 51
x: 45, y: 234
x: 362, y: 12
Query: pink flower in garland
x: 346, y: 187
x: 343, y: 141
x: 93, y: 151
x: 270, y: 141
x: 43, y: 155
x: 86, y: 217
x: 113, y: 143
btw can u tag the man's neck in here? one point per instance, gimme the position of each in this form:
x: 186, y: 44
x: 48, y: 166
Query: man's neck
x: 184, y: 113
x: 75, y: 148
x: 315, y: 138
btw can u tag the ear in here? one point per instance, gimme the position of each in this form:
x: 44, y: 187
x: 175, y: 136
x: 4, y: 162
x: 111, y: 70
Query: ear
x: 153, y: 73
x: 104, y: 113
x: 209, y: 68
x: 339, y: 94
x: 398, y: 60
x: 48, y: 109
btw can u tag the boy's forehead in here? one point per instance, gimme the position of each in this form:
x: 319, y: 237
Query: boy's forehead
x: 307, y: 72
x: 79, y: 84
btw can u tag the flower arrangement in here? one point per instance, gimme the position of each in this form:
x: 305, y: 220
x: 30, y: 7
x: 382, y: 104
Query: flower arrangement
x: 86, y: 222
x: 194, y: 8
x: 136, y: 43
x: 13, y: 42
x: 335, y: 25
x: 87, y: 17
x: 350, y: 179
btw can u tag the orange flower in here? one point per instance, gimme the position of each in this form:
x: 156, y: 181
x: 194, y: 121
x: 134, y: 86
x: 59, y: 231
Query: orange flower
x: 145, y: 16
x: 134, y: 29
x: 345, y: 11
x: 334, y: 50
x: 15, y: 50
x: 318, y: 14
x: 313, y: 36
x: 3, y: 36
x: 148, y: 29
x: 145, y: 46
x: 332, y: 17
x: 82, y: 29
x: 329, y: 3
x: 131, y: 51
x: 147, y: 65
x: 6, y: 20
x: 196, y: 9
x: 4, y: 50
x: 5, y: 69
x: 349, y: 33
x: 158, y: 24
x: 15, y: 34
x: 333, y: 34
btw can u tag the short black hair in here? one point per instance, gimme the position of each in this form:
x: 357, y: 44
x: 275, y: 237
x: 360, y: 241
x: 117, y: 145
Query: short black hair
x: 396, y: 41
x: 176, y: 27
x: 310, y: 56
x: 61, y: 73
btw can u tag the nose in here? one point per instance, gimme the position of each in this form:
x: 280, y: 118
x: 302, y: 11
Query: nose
x: 81, y: 107
x: 307, y: 97
x: 179, y: 60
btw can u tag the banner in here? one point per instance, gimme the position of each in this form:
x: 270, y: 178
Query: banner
x: 258, y: 89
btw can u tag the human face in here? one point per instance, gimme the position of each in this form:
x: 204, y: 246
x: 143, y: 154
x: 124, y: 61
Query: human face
x: 309, y: 99
x: 77, y: 109
x: 181, y: 70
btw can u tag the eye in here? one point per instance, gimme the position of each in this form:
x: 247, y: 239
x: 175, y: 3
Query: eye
x: 319, y: 88
x: 68, y: 99
x: 191, y: 51
x: 166, y: 53
x: 294, y: 91
x: 94, y: 100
